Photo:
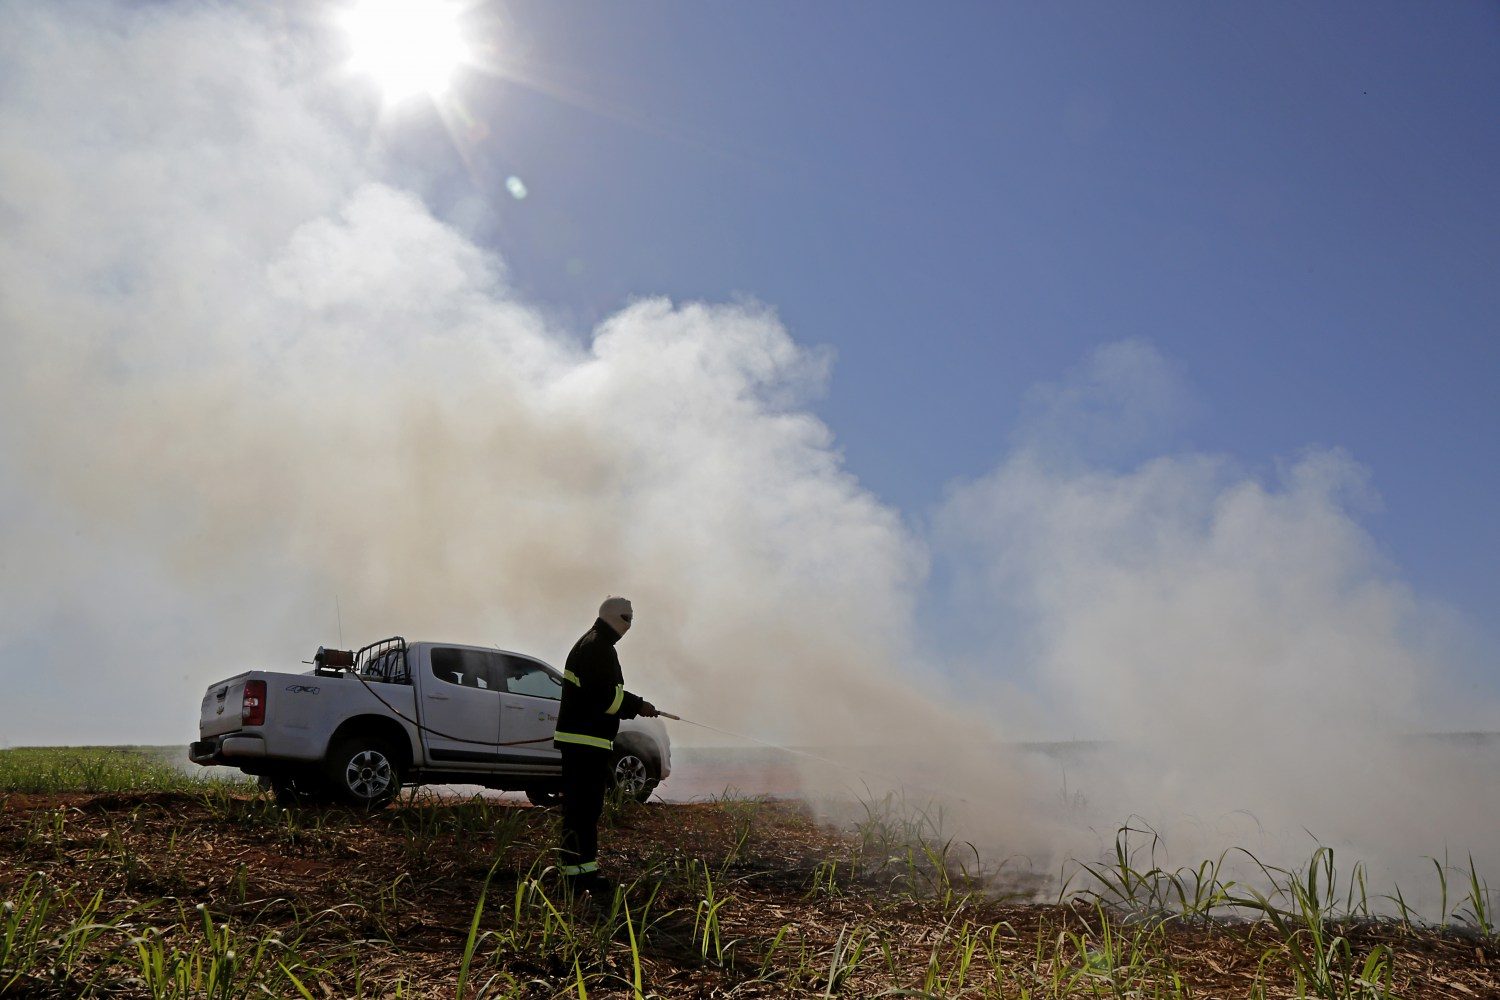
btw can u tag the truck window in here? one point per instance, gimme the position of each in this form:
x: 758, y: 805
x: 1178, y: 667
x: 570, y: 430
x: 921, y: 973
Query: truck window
x: 473, y: 668
x: 387, y: 666
x: 527, y: 677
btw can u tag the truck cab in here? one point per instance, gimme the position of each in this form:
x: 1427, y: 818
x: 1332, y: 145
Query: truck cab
x: 362, y: 724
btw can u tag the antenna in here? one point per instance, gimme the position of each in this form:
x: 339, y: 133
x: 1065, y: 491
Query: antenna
x: 340, y: 613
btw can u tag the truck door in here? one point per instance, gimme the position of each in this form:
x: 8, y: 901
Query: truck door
x: 529, y: 708
x: 461, y: 698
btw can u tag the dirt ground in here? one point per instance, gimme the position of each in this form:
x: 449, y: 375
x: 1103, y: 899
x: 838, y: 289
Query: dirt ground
x: 729, y: 898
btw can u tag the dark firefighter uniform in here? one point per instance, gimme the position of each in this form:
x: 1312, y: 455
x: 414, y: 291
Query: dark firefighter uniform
x: 594, y: 700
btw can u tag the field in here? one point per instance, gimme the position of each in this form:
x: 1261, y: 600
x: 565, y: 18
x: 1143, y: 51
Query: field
x: 124, y: 876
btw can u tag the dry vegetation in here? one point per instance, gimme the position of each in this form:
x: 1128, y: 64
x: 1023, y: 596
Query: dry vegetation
x: 211, y: 890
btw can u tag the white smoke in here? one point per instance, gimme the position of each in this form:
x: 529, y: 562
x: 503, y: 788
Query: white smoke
x: 245, y: 379
x: 1240, y: 637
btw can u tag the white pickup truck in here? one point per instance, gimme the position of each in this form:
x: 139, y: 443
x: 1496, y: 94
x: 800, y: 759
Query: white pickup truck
x: 360, y: 725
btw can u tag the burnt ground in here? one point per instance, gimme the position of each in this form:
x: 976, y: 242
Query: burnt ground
x: 732, y: 898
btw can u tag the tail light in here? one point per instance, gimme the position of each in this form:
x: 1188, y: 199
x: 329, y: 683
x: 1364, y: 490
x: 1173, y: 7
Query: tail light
x: 253, y: 704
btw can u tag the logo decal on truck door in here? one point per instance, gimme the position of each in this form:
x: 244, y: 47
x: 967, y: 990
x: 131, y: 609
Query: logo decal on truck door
x: 301, y: 689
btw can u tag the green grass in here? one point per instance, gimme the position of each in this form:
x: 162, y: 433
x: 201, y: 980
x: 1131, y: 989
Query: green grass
x: 105, y: 769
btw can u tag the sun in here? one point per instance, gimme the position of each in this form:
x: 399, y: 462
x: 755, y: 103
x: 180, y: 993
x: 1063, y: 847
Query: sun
x: 408, y: 47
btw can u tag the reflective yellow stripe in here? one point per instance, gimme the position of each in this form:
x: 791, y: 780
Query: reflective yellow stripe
x: 583, y: 869
x: 614, y: 706
x: 581, y: 740
x: 572, y: 678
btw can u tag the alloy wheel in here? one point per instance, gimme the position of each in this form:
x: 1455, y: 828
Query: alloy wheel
x: 369, y: 774
x: 632, y: 774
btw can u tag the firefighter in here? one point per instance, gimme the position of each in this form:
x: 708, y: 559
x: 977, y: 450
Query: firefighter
x: 594, y: 700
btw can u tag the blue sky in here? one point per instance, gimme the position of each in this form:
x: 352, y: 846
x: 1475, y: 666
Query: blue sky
x: 1295, y: 203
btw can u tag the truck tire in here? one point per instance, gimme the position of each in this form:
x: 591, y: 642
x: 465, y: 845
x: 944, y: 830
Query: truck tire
x: 634, y: 772
x: 363, y: 771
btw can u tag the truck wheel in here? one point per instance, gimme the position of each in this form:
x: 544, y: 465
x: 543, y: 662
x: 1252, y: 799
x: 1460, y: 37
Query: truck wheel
x: 634, y: 773
x: 364, y: 772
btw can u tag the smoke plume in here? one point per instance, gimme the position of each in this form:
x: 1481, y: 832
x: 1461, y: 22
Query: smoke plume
x: 247, y: 382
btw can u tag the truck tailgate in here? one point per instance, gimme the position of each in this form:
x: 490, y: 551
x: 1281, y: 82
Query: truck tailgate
x: 220, y: 712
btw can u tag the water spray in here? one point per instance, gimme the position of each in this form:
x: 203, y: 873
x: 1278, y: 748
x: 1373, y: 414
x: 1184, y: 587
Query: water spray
x: 900, y: 782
